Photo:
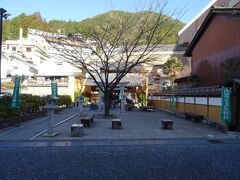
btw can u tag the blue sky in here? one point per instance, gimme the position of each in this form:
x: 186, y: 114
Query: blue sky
x: 82, y: 9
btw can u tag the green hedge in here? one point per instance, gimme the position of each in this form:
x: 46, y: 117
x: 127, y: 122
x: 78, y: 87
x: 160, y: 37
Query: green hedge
x: 6, y: 112
x: 29, y: 104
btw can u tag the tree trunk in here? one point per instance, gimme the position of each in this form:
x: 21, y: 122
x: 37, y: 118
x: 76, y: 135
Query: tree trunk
x: 107, y: 103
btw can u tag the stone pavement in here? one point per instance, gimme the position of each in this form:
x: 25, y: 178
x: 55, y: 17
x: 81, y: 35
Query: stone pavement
x: 137, y: 125
x: 140, y: 150
x: 29, y: 129
x: 193, y: 160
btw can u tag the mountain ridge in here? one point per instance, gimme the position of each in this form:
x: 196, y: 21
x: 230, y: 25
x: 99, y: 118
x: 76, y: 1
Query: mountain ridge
x: 35, y: 21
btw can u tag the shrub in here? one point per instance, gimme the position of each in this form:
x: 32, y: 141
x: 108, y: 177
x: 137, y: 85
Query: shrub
x: 142, y: 99
x: 76, y: 95
x: 86, y: 100
x: 6, y: 112
x: 31, y: 103
x: 64, y: 100
x: 85, y: 95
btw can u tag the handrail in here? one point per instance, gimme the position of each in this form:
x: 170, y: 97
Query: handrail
x: 210, y: 90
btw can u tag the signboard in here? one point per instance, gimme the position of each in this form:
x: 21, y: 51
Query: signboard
x: 54, y: 88
x: 226, y: 104
x: 16, y: 94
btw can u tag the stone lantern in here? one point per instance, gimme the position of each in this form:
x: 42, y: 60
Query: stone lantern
x: 51, y: 104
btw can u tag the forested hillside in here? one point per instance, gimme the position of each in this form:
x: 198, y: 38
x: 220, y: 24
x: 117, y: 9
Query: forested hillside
x: 11, y: 27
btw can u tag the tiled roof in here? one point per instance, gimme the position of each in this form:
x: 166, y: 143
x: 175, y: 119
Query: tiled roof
x: 133, y: 79
x: 163, y: 48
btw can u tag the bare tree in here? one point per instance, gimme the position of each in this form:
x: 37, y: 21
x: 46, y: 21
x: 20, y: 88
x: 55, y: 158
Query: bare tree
x: 120, y: 45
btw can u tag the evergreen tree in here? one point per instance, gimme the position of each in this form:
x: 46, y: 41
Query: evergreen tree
x: 172, y: 68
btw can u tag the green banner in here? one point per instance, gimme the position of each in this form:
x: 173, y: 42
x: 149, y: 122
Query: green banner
x: 54, y: 88
x: 16, y: 94
x: 173, y: 102
x: 121, y: 95
x: 226, y: 104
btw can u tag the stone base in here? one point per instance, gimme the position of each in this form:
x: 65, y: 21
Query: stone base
x: 77, y: 130
x: 50, y: 134
x: 147, y: 108
x: 87, y: 120
x: 167, y: 124
x: 116, y: 124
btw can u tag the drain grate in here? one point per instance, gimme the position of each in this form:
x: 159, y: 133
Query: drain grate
x: 215, y: 141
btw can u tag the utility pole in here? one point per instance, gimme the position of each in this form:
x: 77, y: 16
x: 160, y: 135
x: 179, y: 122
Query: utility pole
x: 3, y: 14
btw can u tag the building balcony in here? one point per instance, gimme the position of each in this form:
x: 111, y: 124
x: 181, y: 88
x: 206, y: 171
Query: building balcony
x: 45, y: 83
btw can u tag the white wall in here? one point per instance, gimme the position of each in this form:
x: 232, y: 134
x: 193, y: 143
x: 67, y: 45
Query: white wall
x: 213, y: 101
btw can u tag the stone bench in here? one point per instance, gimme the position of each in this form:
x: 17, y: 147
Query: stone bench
x: 167, y: 124
x: 147, y: 108
x: 194, y: 117
x: 129, y: 107
x: 77, y: 130
x: 87, y: 120
x: 116, y: 124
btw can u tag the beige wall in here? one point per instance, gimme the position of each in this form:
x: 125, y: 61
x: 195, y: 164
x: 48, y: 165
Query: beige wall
x: 208, y: 107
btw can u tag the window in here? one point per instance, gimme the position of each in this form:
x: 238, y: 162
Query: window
x: 59, y: 64
x: 14, y: 49
x: 28, y: 49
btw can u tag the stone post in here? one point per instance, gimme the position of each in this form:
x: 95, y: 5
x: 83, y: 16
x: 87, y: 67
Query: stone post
x: 100, y: 101
x: 122, y: 97
x: 50, y: 122
x: 80, y: 104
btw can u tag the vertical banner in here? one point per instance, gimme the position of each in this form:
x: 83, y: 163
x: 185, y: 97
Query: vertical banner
x: 16, y: 94
x: 54, y: 88
x: 121, y: 95
x: 226, y: 105
x: 173, y: 102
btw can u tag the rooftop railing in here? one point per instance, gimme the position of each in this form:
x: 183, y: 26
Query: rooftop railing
x: 199, y: 91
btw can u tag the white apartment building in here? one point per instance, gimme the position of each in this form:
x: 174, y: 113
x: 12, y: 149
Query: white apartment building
x: 35, y: 58
x: 32, y: 49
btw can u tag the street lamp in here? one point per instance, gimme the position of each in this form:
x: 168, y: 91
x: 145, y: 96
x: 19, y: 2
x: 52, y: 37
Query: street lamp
x: 3, y: 14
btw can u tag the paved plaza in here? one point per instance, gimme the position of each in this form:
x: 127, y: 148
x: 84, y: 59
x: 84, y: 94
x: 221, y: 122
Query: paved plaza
x: 140, y: 150
x: 136, y: 125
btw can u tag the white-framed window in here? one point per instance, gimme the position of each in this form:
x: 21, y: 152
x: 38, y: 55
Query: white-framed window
x: 28, y: 49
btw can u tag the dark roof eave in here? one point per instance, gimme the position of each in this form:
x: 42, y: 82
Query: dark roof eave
x: 206, y: 22
x: 182, y: 79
